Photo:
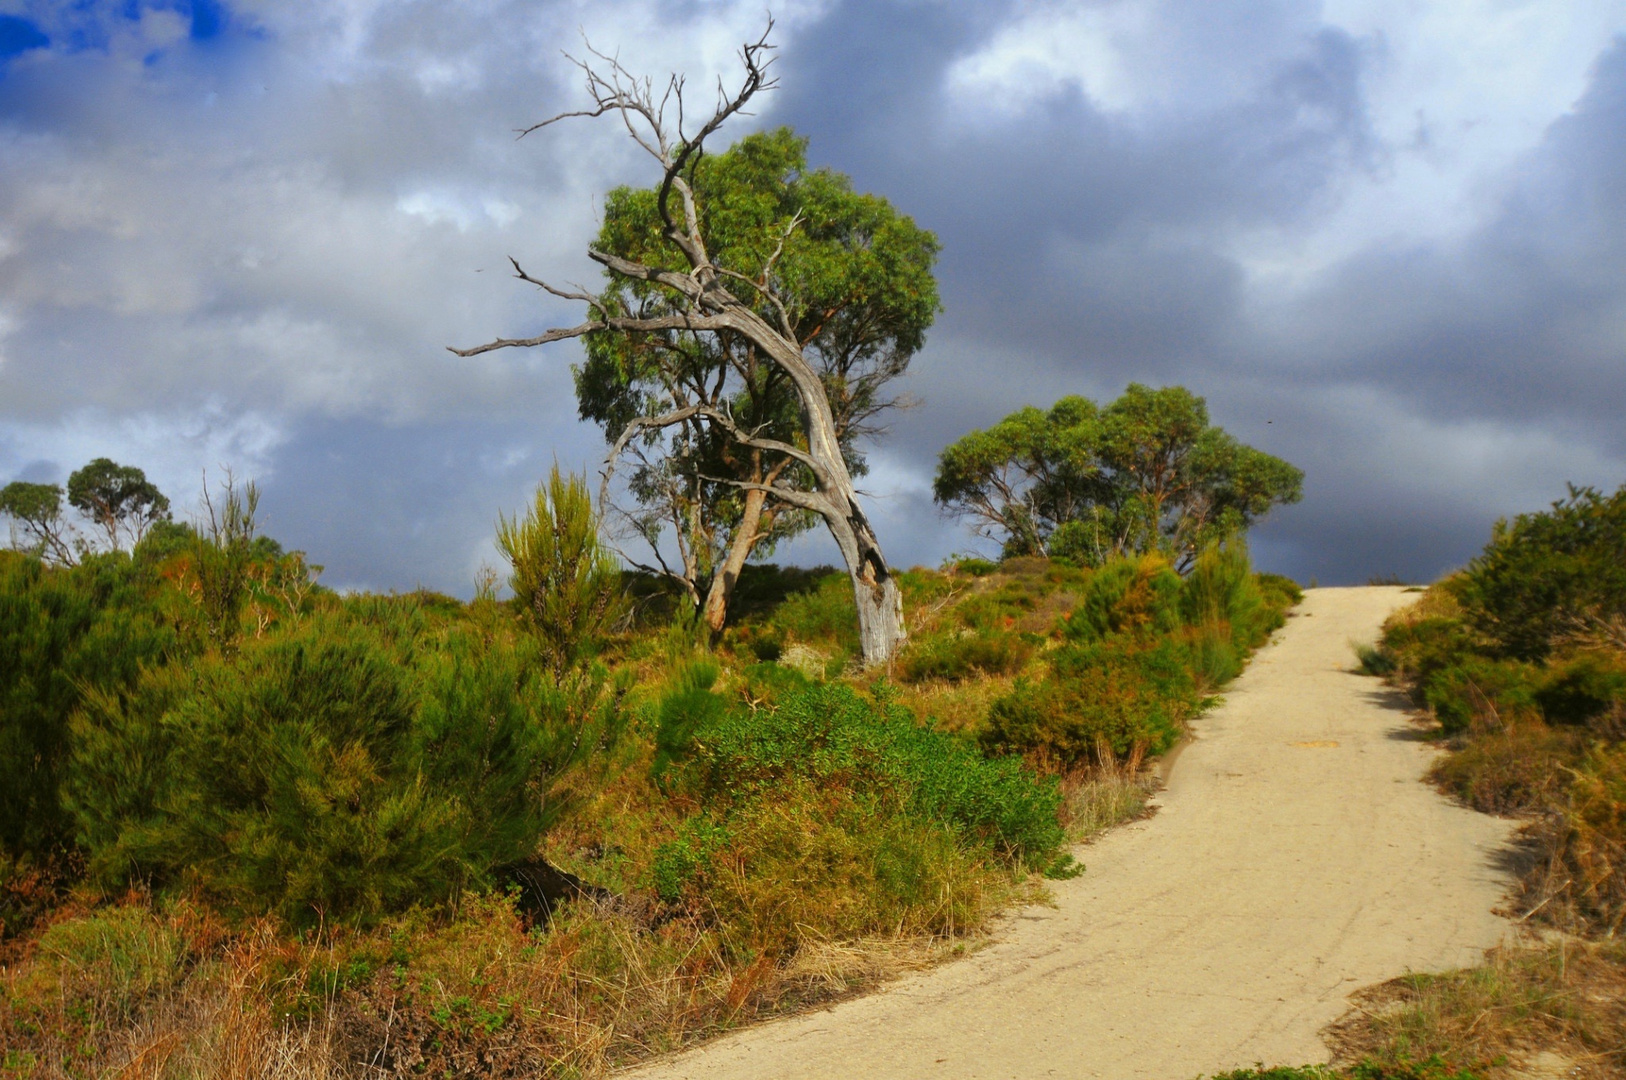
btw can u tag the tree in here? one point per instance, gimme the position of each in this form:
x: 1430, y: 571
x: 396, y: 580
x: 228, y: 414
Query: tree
x: 854, y: 277
x: 1148, y: 472
x: 118, y: 499
x: 38, y: 509
x: 567, y: 583
x: 759, y: 301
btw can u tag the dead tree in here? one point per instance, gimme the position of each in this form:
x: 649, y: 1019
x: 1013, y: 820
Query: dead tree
x: 705, y: 299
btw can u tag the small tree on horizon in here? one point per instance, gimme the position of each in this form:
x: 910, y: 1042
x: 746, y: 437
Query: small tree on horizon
x: 1146, y: 473
x: 37, y: 508
x: 118, y: 499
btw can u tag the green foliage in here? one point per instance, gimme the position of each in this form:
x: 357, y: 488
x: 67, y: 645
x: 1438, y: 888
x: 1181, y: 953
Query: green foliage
x: 63, y: 632
x: 565, y: 580
x: 686, y: 710
x: 831, y: 737
x: 1140, y: 650
x: 1089, y: 484
x: 823, y: 614
x: 1118, y: 698
x: 1128, y: 596
x: 1550, y: 574
x: 126, y: 950
x: 37, y: 508
x: 119, y: 499
x: 955, y: 657
x: 1583, y: 689
x: 1279, y: 592
x: 342, y: 770
x: 1495, y: 690
x: 221, y: 558
x: 856, y: 294
x: 685, y: 857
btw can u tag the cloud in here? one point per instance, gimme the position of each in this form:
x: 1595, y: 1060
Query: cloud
x: 1393, y: 231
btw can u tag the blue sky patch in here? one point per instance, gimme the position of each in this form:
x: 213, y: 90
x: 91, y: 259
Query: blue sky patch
x: 18, y: 36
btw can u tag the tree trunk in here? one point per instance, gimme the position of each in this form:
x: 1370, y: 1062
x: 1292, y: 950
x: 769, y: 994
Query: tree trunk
x: 880, y: 618
x: 728, y: 574
x: 880, y: 604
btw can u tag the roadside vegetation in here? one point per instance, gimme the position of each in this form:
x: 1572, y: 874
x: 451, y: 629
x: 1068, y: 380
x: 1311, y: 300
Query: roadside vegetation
x: 1519, y: 662
x: 252, y: 825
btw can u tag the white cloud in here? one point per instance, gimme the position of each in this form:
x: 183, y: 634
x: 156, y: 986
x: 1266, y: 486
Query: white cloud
x: 1456, y: 93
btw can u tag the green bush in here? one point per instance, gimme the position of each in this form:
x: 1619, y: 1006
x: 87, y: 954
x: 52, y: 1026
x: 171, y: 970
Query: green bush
x: 1582, y: 689
x: 823, y: 613
x: 1128, y: 596
x: 1117, y: 698
x: 1279, y: 591
x: 1550, y: 574
x: 833, y: 738
x: 63, y: 632
x: 687, y: 709
x: 1479, y: 690
x: 564, y: 579
x: 954, y: 658
x: 336, y: 771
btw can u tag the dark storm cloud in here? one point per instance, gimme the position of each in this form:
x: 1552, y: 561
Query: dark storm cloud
x: 243, y: 234
x: 1427, y: 388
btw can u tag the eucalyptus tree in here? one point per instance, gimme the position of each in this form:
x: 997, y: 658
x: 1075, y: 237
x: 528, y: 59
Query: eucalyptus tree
x: 37, y: 509
x: 118, y: 499
x: 754, y: 314
x: 1146, y: 473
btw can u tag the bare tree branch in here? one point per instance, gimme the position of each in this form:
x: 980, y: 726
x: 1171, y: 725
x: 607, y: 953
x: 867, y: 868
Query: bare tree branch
x: 618, y: 322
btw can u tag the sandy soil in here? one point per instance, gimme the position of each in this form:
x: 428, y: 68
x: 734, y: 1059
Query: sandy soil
x: 1294, y: 858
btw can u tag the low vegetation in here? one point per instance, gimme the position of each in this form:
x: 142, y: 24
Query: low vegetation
x: 250, y: 824
x: 1520, y: 661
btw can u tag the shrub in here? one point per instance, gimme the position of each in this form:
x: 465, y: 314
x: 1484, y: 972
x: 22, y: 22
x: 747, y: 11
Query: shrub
x: 1517, y: 769
x: 1128, y: 596
x: 1592, y: 850
x: 824, y: 613
x: 1116, y: 699
x: 1279, y: 591
x: 1550, y: 574
x: 1583, y: 690
x: 1479, y: 691
x: 687, y: 709
x: 335, y: 771
x: 831, y: 737
x: 567, y: 583
x: 63, y: 631
x: 956, y: 657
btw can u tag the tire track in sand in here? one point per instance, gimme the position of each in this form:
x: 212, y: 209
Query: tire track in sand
x: 1294, y: 858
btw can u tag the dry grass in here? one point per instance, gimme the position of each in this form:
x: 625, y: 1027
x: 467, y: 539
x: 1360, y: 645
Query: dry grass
x: 130, y: 991
x: 1095, y: 800
x: 1565, y: 998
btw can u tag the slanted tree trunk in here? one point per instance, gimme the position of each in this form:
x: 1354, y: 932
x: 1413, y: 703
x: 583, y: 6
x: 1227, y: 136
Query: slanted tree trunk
x: 739, y: 550
x: 701, y: 302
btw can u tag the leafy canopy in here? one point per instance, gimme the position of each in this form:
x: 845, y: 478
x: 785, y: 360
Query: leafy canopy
x: 1146, y: 473
x: 851, y: 280
x: 118, y: 498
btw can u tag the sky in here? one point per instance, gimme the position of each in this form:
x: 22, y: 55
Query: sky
x: 1385, y: 239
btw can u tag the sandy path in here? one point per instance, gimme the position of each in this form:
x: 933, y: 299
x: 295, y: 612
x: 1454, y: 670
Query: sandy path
x: 1295, y: 858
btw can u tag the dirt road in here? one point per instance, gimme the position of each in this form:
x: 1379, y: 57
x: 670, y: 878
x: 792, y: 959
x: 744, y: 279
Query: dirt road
x: 1294, y: 857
